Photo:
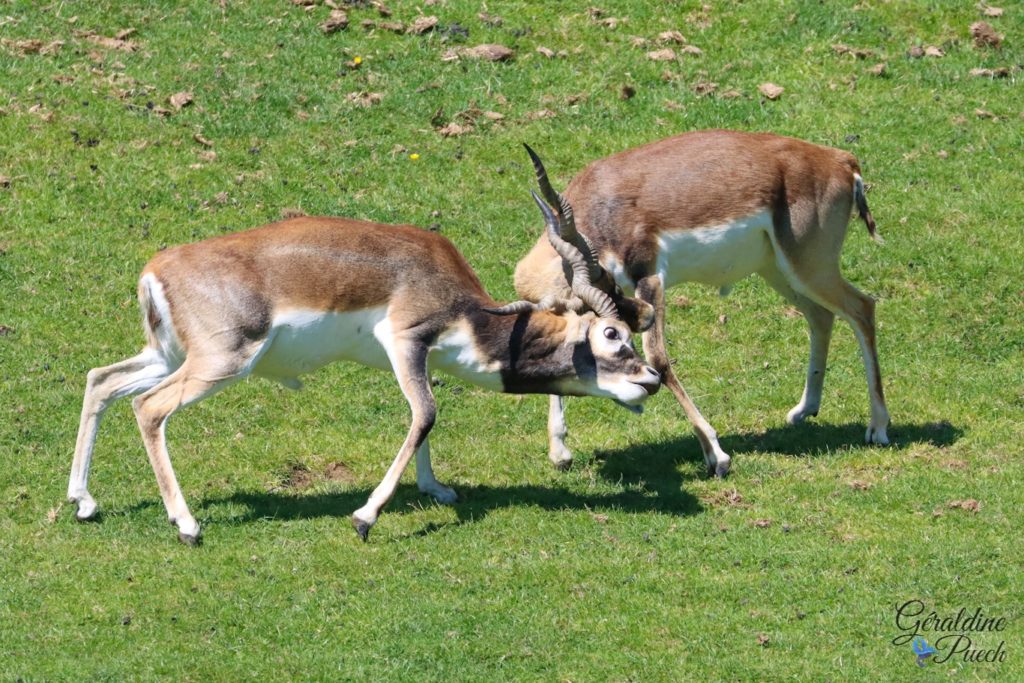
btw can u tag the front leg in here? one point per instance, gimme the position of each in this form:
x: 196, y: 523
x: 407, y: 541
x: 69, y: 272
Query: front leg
x: 651, y: 290
x: 558, y: 452
x: 409, y: 360
x: 427, y: 482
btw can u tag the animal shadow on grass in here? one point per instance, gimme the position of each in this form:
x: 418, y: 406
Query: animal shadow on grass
x: 474, y: 504
x: 652, y: 481
x: 813, y: 439
x: 649, y: 472
x: 654, y: 465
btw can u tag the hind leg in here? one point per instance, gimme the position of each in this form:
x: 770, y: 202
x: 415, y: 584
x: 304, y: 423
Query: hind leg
x: 829, y: 290
x: 820, y: 322
x: 195, y: 380
x: 104, y: 386
x: 859, y: 311
x: 807, y: 240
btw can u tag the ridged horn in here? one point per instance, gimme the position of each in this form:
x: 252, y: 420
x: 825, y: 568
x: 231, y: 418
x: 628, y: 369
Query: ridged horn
x: 578, y: 275
x: 566, y: 221
x: 515, y: 308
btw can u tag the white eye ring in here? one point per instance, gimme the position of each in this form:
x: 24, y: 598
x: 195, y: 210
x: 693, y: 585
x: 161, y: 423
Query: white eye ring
x: 611, y: 333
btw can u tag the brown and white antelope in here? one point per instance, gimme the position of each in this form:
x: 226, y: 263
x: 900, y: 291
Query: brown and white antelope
x: 713, y: 207
x: 287, y: 298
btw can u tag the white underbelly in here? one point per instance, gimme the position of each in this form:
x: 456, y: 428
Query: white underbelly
x: 715, y: 255
x: 301, y: 341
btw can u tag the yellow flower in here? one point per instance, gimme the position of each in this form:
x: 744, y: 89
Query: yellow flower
x: 357, y: 60
x: 414, y: 156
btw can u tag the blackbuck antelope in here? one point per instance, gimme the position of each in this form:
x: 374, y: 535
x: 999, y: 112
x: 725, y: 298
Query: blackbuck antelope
x: 287, y: 298
x: 713, y: 206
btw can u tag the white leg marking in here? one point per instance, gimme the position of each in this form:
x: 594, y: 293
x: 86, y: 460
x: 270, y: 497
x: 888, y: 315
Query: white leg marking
x: 819, y: 326
x: 652, y: 290
x: 410, y: 365
x: 558, y: 452
x: 876, y: 431
x: 427, y: 482
x: 719, y: 461
x: 154, y: 408
x: 810, y: 402
x: 104, y: 386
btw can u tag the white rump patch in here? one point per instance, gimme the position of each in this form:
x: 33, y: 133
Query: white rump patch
x: 717, y: 255
x: 170, y: 346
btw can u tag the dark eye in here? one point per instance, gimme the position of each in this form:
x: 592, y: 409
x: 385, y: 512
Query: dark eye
x: 611, y: 333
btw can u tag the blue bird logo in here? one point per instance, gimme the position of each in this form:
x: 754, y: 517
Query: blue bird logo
x: 923, y: 650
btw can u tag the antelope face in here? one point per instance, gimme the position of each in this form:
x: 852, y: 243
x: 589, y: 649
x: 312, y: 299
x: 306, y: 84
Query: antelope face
x: 619, y: 372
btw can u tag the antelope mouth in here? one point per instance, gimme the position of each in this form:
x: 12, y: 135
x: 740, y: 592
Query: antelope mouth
x: 650, y: 387
x: 649, y: 381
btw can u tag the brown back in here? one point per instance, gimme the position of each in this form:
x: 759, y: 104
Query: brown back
x: 316, y: 263
x: 690, y: 181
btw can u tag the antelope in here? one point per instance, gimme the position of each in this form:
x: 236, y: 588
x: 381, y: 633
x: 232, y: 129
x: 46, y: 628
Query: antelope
x: 713, y: 207
x: 287, y: 298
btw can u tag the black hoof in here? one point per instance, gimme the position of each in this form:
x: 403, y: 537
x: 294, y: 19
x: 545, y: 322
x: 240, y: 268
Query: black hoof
x: 718, y: 472
x: 362, y: 528
x: 562, y: 465
x: 191, y: 541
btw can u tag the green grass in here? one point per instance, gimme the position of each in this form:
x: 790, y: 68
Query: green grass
x: 631, y: 566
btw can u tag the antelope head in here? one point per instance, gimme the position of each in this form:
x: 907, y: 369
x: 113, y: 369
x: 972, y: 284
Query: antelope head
x: 601, y: 345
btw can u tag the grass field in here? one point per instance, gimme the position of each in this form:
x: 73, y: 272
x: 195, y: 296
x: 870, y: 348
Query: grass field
x: 632, y: 566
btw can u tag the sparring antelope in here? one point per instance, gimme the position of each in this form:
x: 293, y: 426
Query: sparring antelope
x: 287, y: 298
x: 713, y: 207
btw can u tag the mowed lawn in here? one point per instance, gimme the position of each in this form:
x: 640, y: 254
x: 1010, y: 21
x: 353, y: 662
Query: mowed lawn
x: 126, y: 127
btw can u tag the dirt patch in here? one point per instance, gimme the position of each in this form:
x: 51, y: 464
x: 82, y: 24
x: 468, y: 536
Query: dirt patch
x: 299, y: 478
x: 339, y: 471
x: 726, y: 498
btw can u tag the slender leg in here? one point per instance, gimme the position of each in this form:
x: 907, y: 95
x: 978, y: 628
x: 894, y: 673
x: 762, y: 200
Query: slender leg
x: 558, y: 452
x: 819, y: 323
x: 859, y: 311
x: 807, y: 242
x: 830, y: 290
x: 104, y: 386
x: 651, y: 290
x: 425, y: 479
x: 410, y: 364
x: 190, y: 383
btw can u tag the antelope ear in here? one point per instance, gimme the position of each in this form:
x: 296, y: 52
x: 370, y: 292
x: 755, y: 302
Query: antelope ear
x: 578, y: 329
